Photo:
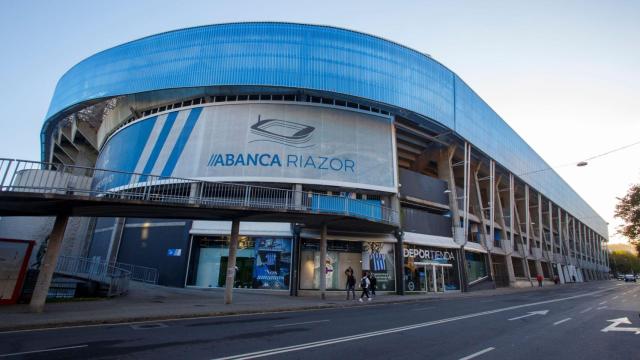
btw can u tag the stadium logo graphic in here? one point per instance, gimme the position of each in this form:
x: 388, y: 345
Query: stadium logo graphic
x: 283, y: 132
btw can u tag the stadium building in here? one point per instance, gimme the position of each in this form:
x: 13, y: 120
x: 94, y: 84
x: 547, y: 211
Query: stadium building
x: 327, y: 110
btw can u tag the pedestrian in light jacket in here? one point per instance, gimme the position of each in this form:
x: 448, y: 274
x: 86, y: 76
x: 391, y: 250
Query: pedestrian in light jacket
x: 364, y: 284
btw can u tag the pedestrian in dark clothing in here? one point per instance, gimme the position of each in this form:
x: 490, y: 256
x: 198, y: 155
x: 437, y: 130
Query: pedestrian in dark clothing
x: 351, y: 286
x: 364, y: 284
x: 372, y: 284
x: 556, y: 280
x: 539, y: 278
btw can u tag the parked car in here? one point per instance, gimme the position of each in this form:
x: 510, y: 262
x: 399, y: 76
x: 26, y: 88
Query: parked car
x: 629, y: 277
x: 620, y: 277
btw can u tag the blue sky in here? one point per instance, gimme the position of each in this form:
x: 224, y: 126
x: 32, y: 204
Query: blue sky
x: 563, y: 74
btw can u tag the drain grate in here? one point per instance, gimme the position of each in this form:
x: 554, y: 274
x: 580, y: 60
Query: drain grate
x: 148, y: 326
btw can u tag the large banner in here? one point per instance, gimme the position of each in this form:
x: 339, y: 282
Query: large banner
x: 259, y: 142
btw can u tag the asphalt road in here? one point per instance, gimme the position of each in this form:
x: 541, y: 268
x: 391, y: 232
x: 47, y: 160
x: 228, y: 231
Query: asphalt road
x: 562, y: 323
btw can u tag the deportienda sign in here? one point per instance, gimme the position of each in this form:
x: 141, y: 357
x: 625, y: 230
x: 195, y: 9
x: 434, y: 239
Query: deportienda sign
x: 427, y: 254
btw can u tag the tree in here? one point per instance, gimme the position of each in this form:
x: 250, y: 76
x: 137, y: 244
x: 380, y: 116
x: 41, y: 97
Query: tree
x: 628, y: 209
x: 624, y: 262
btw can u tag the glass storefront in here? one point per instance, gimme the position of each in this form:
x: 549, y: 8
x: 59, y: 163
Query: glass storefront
x: 429, y: 269
x: 476, y: 265
x: 262, y: 262
x: 375, y: 257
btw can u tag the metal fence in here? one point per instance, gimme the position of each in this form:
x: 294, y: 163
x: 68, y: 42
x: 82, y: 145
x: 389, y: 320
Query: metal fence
x: 140, y: 273
x: 115, y: 278
x: 41, y: 177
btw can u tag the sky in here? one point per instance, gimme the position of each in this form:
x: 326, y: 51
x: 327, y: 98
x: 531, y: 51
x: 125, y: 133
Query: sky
x: 563, y: 74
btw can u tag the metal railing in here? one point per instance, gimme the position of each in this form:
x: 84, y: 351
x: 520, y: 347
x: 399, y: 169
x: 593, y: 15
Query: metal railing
x: 41, y: 177
x: 115, y: 278
x: 140, y: 273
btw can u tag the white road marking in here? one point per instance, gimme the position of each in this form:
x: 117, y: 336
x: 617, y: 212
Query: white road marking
x: 601, y: 307
x: 614, y: 326
x: 586, y: 310
x: 301, y: 323
x: 541, y: 312
x: 45, y: 350
x: 615, y: 297
x: 477, y: 354
x: 424, y: 308
x: 561, y: 321
x: 602, y: 303
x: 315, y: 344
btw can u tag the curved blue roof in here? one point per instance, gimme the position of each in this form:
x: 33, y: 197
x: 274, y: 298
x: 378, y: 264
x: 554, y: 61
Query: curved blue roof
x: 320, y: 58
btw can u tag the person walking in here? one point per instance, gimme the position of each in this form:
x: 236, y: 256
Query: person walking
x: 351, y: 286
x: 372, y: 284
x: 364, y: 284
x: 539, y: 278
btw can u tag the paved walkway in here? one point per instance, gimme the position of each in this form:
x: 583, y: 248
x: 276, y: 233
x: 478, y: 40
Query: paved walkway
x: 151, y: 302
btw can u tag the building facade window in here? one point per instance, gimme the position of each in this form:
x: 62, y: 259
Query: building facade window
x: 262, y: 262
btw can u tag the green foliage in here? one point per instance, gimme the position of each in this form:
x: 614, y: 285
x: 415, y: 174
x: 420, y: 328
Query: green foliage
x: 624, y: 262
x: 628, y: 209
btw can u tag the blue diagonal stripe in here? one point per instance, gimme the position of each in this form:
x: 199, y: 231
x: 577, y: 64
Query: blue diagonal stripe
x: 157, y: 147
x: 181, y: 142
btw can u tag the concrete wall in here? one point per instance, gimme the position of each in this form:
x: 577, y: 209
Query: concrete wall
x: 38, y: 228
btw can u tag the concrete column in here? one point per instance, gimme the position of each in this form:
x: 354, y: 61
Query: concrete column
x: 48, y: 265
x: 539, y: 268
x: 323, y: 259
x: 540, y: 227
x: 399, y: 263
x: 505, y: 244
x: 527, y: 220
x: 551, y: 240
x: 297, y: 196
x: 231, y: 264
x: 194, y: 193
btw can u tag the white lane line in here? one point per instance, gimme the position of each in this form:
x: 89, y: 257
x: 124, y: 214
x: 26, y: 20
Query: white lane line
x: 45, y: 350
x: 586, y: 310
x: 424, y: 308
x: 615, y: 297
x: 315, y: 344
x: 301, y: 323
x: 601, y: 307
x: 561, y: 321
x: 602, y: 303
x: 478, y: 353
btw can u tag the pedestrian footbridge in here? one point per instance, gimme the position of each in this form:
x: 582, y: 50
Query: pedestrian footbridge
x: 31, y: 188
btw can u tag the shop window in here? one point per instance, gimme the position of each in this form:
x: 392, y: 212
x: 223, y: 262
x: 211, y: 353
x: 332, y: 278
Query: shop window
x: 262, y: 262
x: 359, y: 256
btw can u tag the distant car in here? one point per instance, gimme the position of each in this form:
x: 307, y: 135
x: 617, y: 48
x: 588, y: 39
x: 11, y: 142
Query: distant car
x: 620, y: 277
x: 629, y: 277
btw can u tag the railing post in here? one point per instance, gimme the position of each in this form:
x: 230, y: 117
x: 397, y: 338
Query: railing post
x: 6, y: 172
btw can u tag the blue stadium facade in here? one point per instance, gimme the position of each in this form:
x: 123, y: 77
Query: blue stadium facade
x: 474, y: 196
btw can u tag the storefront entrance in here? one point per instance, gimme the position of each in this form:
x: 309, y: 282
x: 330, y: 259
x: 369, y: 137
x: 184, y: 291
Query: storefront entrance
x: 431, y: 276
x: 429, y: 269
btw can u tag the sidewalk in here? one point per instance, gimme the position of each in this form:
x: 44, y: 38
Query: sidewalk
x: 151, y: 302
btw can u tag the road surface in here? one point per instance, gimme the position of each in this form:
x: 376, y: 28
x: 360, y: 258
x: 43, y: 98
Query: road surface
x: 596, y: 320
